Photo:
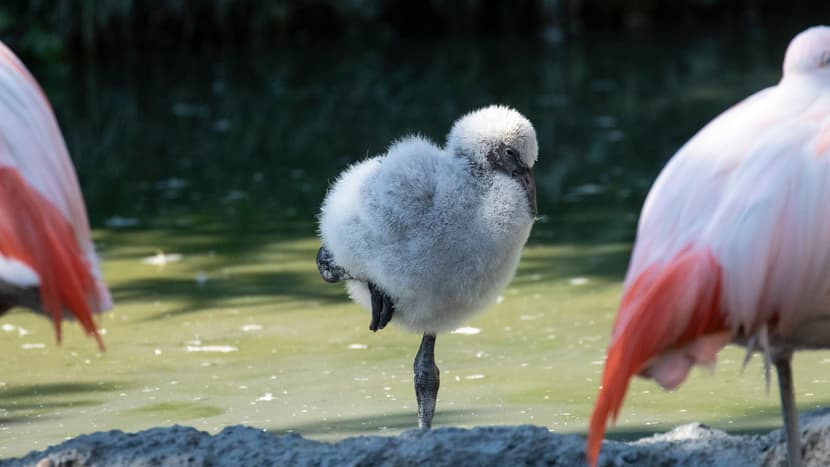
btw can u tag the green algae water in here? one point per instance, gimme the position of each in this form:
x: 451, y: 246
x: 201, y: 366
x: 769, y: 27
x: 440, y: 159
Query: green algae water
x: 203, y: 175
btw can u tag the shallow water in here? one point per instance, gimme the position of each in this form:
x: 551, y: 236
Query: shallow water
x: 203, y: 175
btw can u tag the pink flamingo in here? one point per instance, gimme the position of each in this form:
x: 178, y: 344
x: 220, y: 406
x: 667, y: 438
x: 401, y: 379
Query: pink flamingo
x: 47, y: 260
x: 733, y: 244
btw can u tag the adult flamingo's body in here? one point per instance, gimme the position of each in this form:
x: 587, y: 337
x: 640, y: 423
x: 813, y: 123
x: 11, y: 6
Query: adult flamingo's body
x: 47, y: 260
x: 733, y: 243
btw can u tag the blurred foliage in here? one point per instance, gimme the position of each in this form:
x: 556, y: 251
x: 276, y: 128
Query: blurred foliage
x: 47, y: 29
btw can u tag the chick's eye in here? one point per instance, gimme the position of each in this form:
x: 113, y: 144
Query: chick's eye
x: 511, y: 152
x: 825, y: 58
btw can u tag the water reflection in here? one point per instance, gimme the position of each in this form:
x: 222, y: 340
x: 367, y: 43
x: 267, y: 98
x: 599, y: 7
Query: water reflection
x: 249, y: 140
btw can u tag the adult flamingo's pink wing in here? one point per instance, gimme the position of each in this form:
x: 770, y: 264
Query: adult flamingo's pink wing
x: 732, y: 240
x: 44, y: 232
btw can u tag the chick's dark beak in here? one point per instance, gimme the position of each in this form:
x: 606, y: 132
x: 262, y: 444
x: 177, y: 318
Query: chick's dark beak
x: 507, y: 160
x: 525, y: 177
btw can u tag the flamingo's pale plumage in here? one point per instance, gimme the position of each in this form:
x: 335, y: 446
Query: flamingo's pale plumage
x: 733, y: 243
x: 47, y: 260
x: 432, y: 235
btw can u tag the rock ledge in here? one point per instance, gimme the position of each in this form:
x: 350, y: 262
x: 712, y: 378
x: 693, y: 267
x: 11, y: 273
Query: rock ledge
x: 687, y: 445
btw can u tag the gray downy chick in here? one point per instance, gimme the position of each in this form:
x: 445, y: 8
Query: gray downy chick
x: 432, y: 235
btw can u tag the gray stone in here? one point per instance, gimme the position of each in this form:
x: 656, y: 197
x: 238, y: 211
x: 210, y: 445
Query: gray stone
x: 689, y: 445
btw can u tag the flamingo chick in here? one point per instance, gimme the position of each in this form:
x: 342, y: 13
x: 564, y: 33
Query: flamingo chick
x: 430, y: 236
x: 732, y: 244
x: 47, y: 260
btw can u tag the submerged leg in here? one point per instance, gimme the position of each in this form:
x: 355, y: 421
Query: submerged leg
x: 426, y: 381
x: 785, y: 386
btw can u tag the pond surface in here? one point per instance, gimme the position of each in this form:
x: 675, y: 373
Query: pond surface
x: 203, y: 175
